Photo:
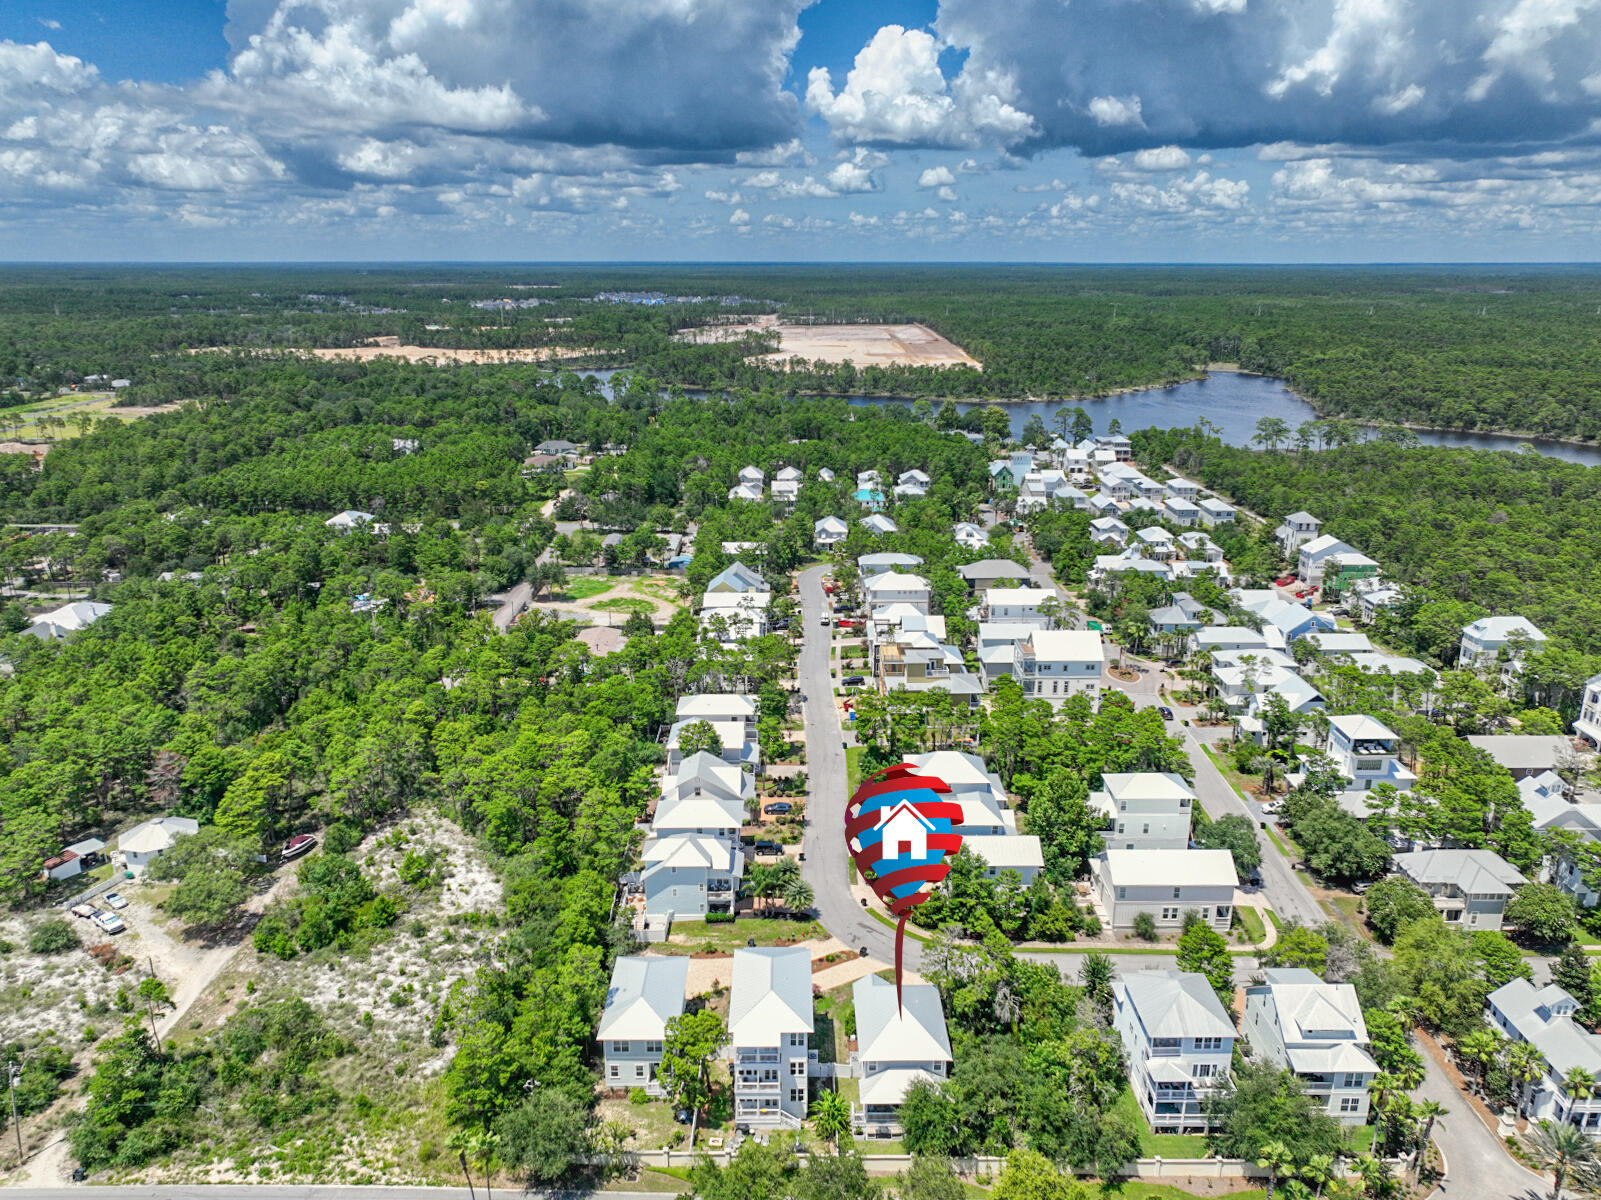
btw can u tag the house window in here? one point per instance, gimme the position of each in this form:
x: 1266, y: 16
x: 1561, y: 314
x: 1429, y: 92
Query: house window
x: 1122, y: 893
x: 1350, y: 1080
x: 1204, y: 1070
x: 797, y: 1095
x: 1146, y: 828
x: 619, y: 1047
x: 639, y: 1071
x: 1120, y: 827
x: 1223, y: 912
x: 797, y: 1066
x: 1177, y: 893
x: 614, y: 1071
x: 1170, y: 914
x: 1209, y: 1043
x: 1184, y: 802
x: 653, y: 1047
x: 1350, y: 1104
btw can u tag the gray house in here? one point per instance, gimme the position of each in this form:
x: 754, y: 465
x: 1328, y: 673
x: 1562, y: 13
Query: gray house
x: 645, y: 994
x: 1470, y: 888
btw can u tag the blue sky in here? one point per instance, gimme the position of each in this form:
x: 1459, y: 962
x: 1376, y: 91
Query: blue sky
x: 1027, y: 130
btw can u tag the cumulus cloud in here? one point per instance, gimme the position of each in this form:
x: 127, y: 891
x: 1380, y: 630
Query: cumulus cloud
x: 1471, y: 75
x: 896, y: 94
x: 935, y: 177
x: 739, y: 217
x: 855, y: 172
x: 1161, y: 158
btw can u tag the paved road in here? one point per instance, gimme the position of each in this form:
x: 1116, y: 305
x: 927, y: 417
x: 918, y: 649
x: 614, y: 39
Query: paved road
x: 1285, y: 889
x: 512, y: 605
x: 1477, y: 1166
x: 1069, y: 963
x: 826, y: 866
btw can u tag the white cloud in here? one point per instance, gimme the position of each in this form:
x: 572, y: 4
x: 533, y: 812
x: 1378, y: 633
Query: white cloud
x: 856, y: 172
x: 792, y: 153
x: 1116, y: 110
x: 935, y: 177
x: 781, y: 187
x: 739, y: 217
x: 50, y: 23
x: 1162, y: 158
x: 896, y: 94
x: 947, y: 194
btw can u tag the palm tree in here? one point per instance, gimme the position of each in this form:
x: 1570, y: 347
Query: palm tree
x: 1383, y: 1087
x: 1374, y: 1171
x: 1276, y: 1160
x: 1410, y: 1076
x: 1523, y: 1063
x: 831, y: 1117
x: 1319, y: 1171
x: 1579, y: 1084
x: 798, y: 895
x: 1560, y: 1149
x: 1428, y: 1112
x: 1479, y: 1049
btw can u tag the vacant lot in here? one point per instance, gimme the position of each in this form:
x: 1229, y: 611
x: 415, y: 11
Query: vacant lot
x: 863, y: 345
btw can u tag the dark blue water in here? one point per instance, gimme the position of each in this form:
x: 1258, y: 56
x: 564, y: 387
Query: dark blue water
x: 1233, y: 404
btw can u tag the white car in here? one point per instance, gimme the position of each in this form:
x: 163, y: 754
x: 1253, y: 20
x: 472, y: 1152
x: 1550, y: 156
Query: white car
x: 115, y: 901
x: 109, y: 921
x: 825, y: 621
x: 1273, y: 807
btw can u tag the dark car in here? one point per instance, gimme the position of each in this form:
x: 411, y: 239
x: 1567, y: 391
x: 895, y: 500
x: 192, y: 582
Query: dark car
x: 770, y: 848
x: 853, y: 681
x: 779, y: 809
x: 1167, y: 713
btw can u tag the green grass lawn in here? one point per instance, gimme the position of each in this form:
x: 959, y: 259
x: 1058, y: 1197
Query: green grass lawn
x: 1251, y: 922
x: 582, y: 587
x: 1168, y: 1145
x: 628, y: 604
x: 853, y: 767
x: 690, y: 937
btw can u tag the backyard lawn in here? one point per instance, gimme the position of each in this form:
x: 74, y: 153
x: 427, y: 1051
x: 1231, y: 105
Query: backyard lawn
x: 691, y: 937
x: 1168, y: 1145
x: 1251, y: 923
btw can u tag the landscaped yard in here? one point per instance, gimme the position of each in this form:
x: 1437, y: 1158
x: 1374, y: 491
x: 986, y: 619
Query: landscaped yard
x: 1250, y: 923
x: 628, y: 604
x: 1168, y: 1145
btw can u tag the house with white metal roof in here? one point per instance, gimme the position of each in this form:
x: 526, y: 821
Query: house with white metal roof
x: 878, y: 523
x: 147, y: 841
x: 1011, y: 851
x: 1054, y: 664
x: 739, y: 749
x: 1367, y: 752
x: 1296, y: 530
x: 829, y: 532
x: 1484, y: 640
x: 1017, y: 605
x: 1165, y: 884
x: 770, y: 1026
x: 688, y: 875
x: 1179, y: 1043
x: 869, y: 565
x: 1316, y: 1030
x: 645, y: 994
x: 1544, y: 1018
x: 1470, y: 888
x: 1109, y: 531
x: 1588, y: 725
x: 738, y: 578
x: 898, y: 1044
x: 61, y: 623
x: 969, y: 535
x: 896, y: 587
x: 1145, y: 810
x: 1214, y: 512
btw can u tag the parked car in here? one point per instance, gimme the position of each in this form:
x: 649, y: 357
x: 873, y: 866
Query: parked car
x: 1273, y: 807
x: 853, y: 680
x: 825, y: 620
x: 779, y: 809
x: 300, y: 844
x: 1360, y: 887
x: 1167, y: 713
x: 109, y: 921
x: 114, y: 900
x: 768, y: 848
x: 83, y: 910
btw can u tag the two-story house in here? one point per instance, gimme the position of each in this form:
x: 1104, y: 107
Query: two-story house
x: 1179, y: 1043
x: 1165, y: 884
x: 986, y: 573
x: 1544, y: 1018
x: 1214, y: 512
x: 737, y: 579
x: 645, y: 994
x: 1145, y: 810
x: 1484, y: 640
x: 879, y: 524
x: 885, y: 561
x: 1296, y: 530
x: 1470, y: 888
x: 896, y: 587
x: 1316, y: 1030
x: 969, y: 536
x: 980, y: 792
x: 1109, y: 531
x: 719, y: 706
x: 1053, y: 664
x: 898, y: 1045
x: 1588, y: 725
x: 829, y: 532
x: 1366, y: 751
x: 1312, y: 555
x: 770, y: 1030
x: 1019, y: 605
x: 688, y: 875
x: 1184, y: 616
x: 1181, y: 511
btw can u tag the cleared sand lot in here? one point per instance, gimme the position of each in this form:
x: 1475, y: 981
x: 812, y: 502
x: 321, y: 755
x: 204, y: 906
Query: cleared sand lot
x: 390, y: 347
x: 864, y: 345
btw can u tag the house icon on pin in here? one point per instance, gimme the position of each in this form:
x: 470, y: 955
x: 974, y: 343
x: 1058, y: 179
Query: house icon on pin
x: 905, y: 832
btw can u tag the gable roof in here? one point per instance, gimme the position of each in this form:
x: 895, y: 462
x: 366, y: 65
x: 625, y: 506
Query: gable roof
x: 1476, y: 872
x: 646, y: 992
x: 1499, y: 629
x: 737, y: 577
x: 772, y: 994
x: 1170, y: 868
x: 992, y: 568
x: 912, y: 1031
x: 1145, y: 785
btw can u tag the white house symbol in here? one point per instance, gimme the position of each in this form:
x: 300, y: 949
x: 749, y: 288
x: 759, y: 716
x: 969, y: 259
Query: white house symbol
x: 905, y: 832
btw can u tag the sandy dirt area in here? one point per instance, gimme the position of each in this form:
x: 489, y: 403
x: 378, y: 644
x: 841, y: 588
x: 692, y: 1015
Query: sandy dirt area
x: 864, y: 345
x: 390, y: 347
x: 705, y: 974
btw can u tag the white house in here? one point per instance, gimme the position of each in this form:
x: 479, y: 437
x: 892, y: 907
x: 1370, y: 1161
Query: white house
x: 751, y: 492
x: 350, y: 519
x: 769, y: 1030
x: 644, y: 995
x: 1544, y: 1019
x: 734, y: 617
x: 826, y: 474
x: 1366, y: 751
x: 149, y: 840
x: 869, y: 565
x: 969, y: 535
x: 788, y: 475
x: 829, y: 532
x: 1197, y: 545
x: 1007, y: 852
x: 738, y: 747
x: 1470, y: 888
x: 1182, y: 487
x: 1588, y: 726
x: 1227, y: 637
x: 986, y: 573
x: 719, y: 706
x: 1484, y: 639
x: 1145, y: 810
x: 1181, y: 510
x: 1214, y: 511
x: 1313, y: 555
x: 737, y: 577
x: 1053, y: 664
x: 899, y: 1043
x: 74, y: 859
x: 979, y: 791
x: 1164, y: 883
x: 1109, y: 531
x: 786, y: 491
x: 754, y: 475
x: 878, y: 523
x: 1316, y: 1030
x: 1297, y: 529
x: 1019, y: 605
x: 706, y: 775
x: 688, y: 875
x: 61, y: 623
x: 896, y: 587
x: 1179, y: 1043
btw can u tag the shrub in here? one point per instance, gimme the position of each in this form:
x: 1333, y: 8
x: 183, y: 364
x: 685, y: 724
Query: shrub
x: 1145, y: 927
x: 1088, y: 923
x: 719, y: 918
x: 638, y: 1096
x: 53, y: 935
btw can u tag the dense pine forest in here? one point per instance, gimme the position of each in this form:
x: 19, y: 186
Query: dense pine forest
x: 1500, y: 348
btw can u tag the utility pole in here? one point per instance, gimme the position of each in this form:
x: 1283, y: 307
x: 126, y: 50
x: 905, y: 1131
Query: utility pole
x: 13, y: 1073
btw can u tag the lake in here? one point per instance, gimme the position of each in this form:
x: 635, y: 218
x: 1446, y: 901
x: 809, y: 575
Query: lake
x: 1233, y: 403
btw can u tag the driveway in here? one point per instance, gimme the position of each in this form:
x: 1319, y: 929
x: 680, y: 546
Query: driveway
x: 1476, y: 1164
x: 827, y: 863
